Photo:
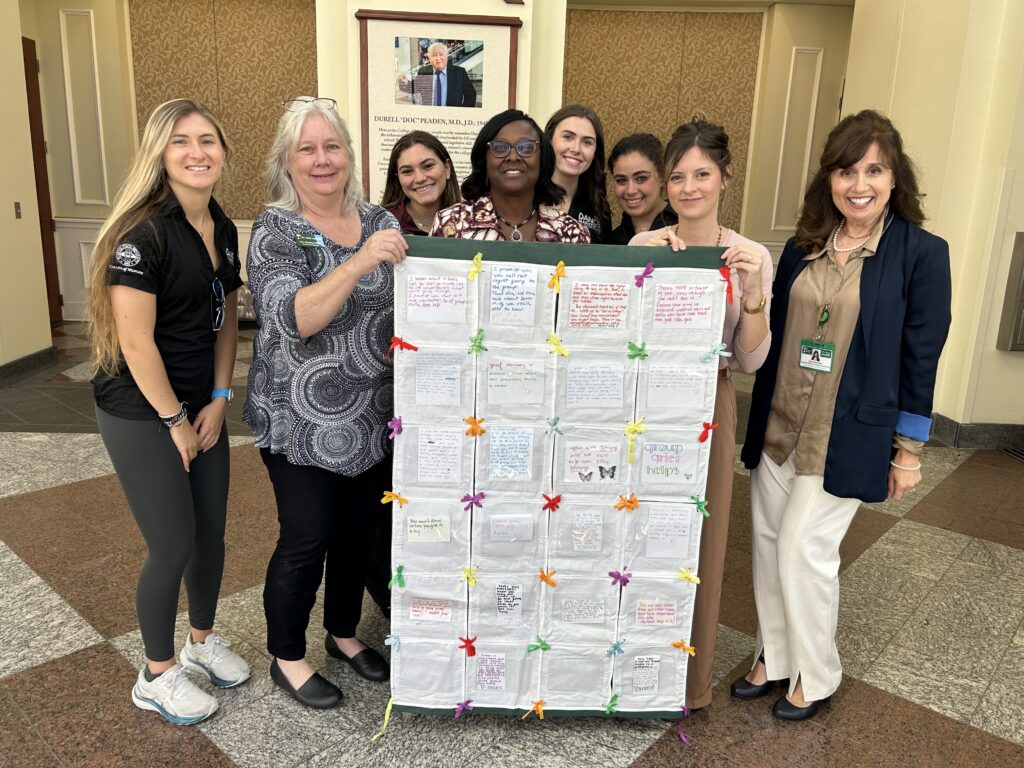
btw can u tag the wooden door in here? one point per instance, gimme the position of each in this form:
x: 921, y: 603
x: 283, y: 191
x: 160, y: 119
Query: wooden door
x: 46, y: 226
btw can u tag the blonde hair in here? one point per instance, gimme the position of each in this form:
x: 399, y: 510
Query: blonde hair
x: 144, y: 191
x: 286, y: 140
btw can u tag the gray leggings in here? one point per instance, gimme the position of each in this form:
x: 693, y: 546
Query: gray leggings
x: 181, y: 516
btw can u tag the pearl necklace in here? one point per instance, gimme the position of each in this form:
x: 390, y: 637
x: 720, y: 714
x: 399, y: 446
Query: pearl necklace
x: 835, y: 244
x: 516, y: 235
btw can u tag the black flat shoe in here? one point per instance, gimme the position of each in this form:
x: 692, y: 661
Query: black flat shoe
x: 784, y: 709
x: 318, y: 692
x: 744, y: 689
x: 367, y: 663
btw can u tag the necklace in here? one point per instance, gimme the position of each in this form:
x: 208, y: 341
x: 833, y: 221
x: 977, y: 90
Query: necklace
x: 516, y: 234
x: 835, y: 236
x: 718, y: 240
x: 825, y: 310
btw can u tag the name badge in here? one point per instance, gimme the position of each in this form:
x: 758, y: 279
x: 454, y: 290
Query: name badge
x: 817, y: 355
x: 309, y: 241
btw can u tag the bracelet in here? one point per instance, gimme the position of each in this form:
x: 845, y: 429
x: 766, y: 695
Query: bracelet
x: 914, y: 468
x: 227, y: 394
x: 175, y: 418
x: 756, y: 310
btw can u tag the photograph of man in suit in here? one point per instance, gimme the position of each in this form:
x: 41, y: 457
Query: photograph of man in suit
x: 439, y: 83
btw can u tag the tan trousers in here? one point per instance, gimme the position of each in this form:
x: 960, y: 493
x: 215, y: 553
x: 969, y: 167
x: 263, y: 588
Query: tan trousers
x: 797, y: 527
x: 713, y: 538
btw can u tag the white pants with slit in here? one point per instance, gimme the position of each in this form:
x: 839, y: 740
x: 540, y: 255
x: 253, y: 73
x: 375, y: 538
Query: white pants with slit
x: 797, y: 529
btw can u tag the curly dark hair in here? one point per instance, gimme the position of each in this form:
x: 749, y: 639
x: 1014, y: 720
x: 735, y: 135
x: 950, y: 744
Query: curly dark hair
x: 845, y: 146
x: 393, y: 194
x: 646, y: 144
x: 591, y: 192
x: 476, y: 184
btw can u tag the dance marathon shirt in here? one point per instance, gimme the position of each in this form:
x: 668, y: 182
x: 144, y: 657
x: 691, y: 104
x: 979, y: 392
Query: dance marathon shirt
x: 586, y: 216
x: 166, y: 256
x: 322, y: 401
x: 476, y: 220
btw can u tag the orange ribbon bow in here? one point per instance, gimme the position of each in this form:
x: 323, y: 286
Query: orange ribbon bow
x: 538, y: 707
x: 548, y: 577
x: 390, y: 496
x: 628, y: 504
x: 475, y: 426
x: 682, y: 646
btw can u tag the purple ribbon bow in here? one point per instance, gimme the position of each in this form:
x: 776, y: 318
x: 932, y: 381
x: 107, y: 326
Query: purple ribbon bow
x: 620, y: 579
x: 395, y: 425
x: 648, y: 271
x: 474, y: 500
x: 463, y: 706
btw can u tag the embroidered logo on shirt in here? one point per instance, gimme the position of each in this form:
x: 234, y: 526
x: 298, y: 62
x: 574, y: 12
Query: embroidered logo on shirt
x: 127, y: 255
x: 229, y: 255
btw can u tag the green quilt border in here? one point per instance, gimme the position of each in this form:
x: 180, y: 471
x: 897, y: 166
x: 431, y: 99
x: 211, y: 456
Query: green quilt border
x: 696, y: 257
x: 673, y: 715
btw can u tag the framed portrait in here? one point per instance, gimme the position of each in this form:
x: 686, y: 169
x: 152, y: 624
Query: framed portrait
x: 445, y: 74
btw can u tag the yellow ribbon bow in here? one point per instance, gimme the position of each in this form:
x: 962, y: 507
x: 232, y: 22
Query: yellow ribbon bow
x: 555, y: 345
x: 682, y: 646
x: 556, y: 277
x: 476, y: 268
x: 387, y: 719
x: 630, y: 504
x: 538, y: 707
x: 390, y: 496
x: 469, y: 574
x: 634, y: 428
x: 686, y: 575
x: 475, y: 426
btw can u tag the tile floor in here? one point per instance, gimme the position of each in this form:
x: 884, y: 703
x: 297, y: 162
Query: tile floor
x: 931, y: 628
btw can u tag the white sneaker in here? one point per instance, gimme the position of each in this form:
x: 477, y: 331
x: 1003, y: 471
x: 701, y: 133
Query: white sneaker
x: 212, y: 657
x: 174, y: 696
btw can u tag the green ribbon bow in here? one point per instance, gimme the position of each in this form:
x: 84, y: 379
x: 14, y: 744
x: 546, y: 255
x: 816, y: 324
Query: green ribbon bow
x: 702, y: 505
x: 612, y: 705
x: 476, y: 343
x: 636, y: 351
x: 398, y: 579
x: 539, y: 644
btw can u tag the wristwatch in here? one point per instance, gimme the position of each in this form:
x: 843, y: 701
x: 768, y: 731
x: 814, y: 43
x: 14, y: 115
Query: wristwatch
x: 227, y: 394
x: 756, y: 310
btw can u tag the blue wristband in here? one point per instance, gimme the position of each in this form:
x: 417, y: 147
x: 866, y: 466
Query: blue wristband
x: 227, y: 394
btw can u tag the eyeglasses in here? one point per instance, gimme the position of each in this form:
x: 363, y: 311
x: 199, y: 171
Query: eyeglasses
x: 217, y: 304
x: 294, y: 105
x: 524, y: 148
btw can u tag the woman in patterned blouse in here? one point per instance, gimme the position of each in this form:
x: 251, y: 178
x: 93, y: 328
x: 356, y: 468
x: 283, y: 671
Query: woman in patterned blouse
x: 509, y: 195
x: 321, y: 272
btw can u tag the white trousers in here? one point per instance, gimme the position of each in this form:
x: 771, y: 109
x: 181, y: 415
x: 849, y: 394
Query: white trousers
x: 797, y: 528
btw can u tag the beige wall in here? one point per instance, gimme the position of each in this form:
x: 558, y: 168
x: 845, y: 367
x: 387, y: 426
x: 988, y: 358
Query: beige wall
x: 803, y: 61
x: 541, y: 48
x: 949, y: 75
x: 24, y: 320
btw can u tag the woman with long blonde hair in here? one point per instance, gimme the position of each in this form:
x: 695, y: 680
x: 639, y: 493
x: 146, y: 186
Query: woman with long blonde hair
x: 164, y: 334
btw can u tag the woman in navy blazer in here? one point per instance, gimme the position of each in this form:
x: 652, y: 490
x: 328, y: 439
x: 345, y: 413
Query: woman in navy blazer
x: 824, y: 436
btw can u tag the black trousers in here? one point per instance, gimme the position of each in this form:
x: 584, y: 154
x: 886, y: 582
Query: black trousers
x: 181, y: 516
x: 323, y: 516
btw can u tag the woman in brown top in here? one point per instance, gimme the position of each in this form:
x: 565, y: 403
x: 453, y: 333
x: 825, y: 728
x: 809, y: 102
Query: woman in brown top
x: 420, y: 182
x: 842, y: 406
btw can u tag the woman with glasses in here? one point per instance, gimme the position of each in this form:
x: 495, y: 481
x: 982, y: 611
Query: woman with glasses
x: 509, y: 194
x: 577, y: 137
x: 164, y: 334
x: 420, y: 182
x: 320, y: 268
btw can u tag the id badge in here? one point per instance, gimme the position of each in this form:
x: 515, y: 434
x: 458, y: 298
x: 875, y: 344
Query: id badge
x: 817, y: 355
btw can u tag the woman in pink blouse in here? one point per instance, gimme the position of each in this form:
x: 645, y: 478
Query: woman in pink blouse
x: 697, y: 170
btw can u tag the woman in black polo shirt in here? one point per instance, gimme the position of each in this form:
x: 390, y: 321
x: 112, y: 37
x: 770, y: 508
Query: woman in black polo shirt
x: 164, y: 334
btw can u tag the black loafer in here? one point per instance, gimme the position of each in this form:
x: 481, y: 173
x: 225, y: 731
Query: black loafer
x: 367, y: 663
x: 744, y: 689
x: 318, y: 692
x: 784, y: 709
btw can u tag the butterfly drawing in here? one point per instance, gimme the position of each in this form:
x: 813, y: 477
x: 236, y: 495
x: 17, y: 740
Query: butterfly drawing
x: 586, y: 478
x: 608, y: 472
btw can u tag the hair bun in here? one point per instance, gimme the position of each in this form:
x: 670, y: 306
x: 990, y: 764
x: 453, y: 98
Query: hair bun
x: 699, y: 117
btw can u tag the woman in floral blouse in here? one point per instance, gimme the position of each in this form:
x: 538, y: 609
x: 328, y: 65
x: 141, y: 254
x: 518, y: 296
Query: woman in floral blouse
x: 509, y: 195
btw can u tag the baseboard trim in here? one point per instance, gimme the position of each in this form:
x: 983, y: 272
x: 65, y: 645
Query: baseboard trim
x: 27, y: 365
x: 957, y: 435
